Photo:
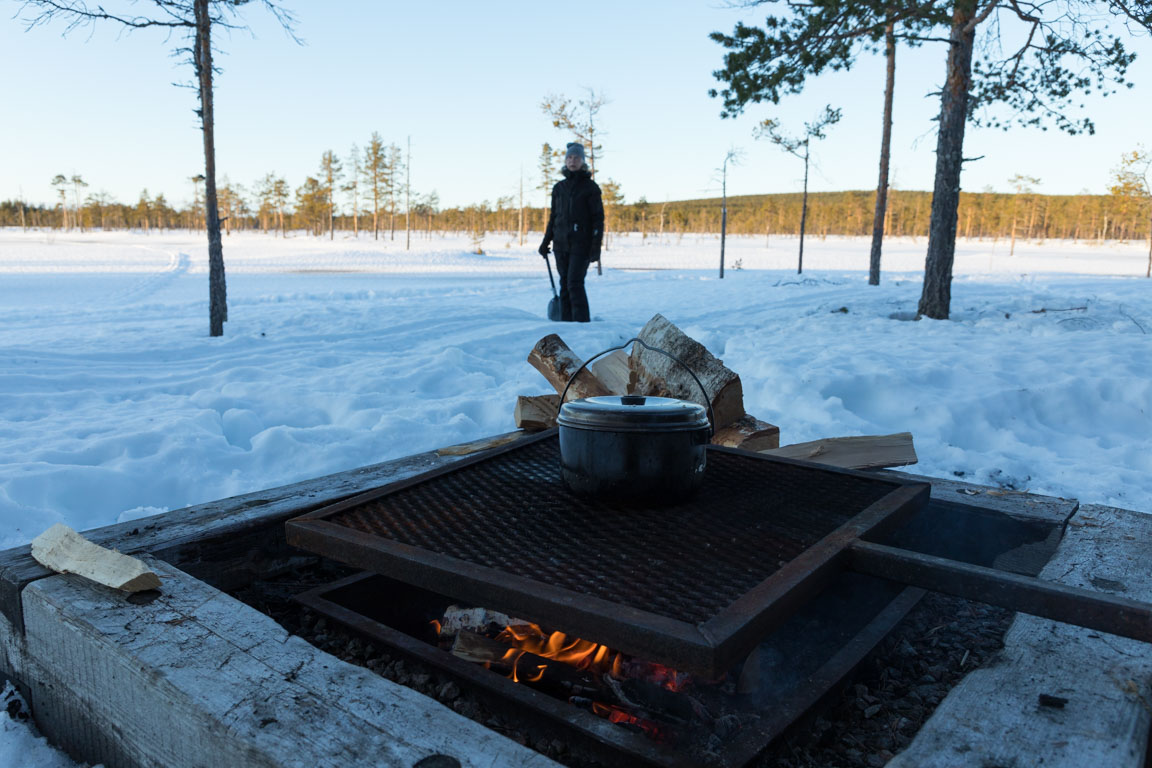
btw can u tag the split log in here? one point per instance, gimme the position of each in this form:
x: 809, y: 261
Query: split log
x: 614, y: 371
x: 465, y: 449
x: 65, y: 551
x: 748, y: 433
x: 659, y: 375
x: 552, y: 357
x: 864, y: 452
x: 536, y: 412
x: 472, y: 619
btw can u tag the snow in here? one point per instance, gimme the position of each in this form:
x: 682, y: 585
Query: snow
x: 115, y: 404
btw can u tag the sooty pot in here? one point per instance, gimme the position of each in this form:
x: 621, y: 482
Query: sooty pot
x: 631, y: 448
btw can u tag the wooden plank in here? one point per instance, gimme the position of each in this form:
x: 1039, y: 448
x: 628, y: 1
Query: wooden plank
x: 195, y: 678
x: 858, y: 452
x: 179, y: 535
x: 996, y: 715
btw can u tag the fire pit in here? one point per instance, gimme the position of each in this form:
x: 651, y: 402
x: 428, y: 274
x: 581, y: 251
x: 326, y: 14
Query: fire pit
x: 694, y: 586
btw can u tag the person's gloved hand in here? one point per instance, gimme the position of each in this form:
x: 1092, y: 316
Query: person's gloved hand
x: 543, y: 249
x: 594, y: 254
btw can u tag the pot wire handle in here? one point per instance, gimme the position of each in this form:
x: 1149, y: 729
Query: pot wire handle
x: 707, y: 401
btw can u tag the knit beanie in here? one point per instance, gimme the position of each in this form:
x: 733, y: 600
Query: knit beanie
x: 575, y: 148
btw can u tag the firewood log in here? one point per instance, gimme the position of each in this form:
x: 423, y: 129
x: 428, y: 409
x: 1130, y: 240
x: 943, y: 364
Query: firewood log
x: 863, y: 452
x: 552, y: 357
x: 536, y: 412
x: 658, y: 375
x: 748, y: 433
x: 63, y: 550
x: 614, y: 371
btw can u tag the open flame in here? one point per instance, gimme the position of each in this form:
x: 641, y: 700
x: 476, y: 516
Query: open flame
x: 575, y: 652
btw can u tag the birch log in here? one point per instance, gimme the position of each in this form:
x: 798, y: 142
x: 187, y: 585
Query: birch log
x: 552, y: 357
x: 536, y: 412
x: 658, y: 375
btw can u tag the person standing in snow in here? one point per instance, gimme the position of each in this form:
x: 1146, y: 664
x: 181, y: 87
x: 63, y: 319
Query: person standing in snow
x: 575, y: 229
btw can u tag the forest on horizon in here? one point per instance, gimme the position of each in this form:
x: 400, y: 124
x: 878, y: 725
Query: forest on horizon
x: 1025, y: 215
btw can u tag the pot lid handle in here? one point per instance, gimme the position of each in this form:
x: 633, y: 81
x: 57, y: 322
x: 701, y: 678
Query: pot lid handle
x: 707, y: 402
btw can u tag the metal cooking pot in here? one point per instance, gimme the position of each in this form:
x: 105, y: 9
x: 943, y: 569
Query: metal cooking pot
x: 632, y: 448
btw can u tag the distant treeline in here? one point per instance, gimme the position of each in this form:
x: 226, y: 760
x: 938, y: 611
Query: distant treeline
x: 981, y: 214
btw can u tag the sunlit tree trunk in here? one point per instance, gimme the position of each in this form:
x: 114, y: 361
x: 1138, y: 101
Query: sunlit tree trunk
x: 202, y: 59
x: 885, y: 147
x: 936, y: 297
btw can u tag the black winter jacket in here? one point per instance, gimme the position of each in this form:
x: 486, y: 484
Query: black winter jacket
x: 576, y: 222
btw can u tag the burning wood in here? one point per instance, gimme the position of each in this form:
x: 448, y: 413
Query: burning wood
x: 458, y: 617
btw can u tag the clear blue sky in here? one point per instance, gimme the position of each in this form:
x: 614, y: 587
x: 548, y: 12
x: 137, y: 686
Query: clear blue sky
x: 465, y: 80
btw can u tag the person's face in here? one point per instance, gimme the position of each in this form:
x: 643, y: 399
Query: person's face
x: 573, y: 162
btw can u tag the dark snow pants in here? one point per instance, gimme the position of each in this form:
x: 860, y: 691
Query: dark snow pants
x: 573, y: 299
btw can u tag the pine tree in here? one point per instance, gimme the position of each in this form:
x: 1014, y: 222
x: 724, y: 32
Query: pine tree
x: 60, y: 181
x: 330, y: 172
x: 352, y: 187
x: 1068, y: 50
x: 375, y: 168
x: 579, y: 119
x: 392, y: 171
x: 800, y: 147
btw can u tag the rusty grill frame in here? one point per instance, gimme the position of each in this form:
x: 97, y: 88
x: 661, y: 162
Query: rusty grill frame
x: 708, y: 648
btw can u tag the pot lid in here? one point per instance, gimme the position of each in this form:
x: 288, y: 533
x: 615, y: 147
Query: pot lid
x: 632, y: 413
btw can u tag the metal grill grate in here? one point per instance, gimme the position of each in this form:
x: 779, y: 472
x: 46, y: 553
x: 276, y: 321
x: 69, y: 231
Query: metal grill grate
x: 511, y: 513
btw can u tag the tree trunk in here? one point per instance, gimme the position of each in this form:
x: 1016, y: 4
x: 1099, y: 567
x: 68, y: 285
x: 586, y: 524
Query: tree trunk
x: 885, y: 147
x: 408, y: 198
x: 936, y: 297
x: 723, y: 221
x: 803, y: 212
x: 202, y: 57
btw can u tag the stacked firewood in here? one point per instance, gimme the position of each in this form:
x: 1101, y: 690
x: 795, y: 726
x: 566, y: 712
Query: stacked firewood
x: 644, y: 372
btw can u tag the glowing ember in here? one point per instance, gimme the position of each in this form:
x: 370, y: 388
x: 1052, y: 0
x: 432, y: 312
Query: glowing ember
x: 615, y: 714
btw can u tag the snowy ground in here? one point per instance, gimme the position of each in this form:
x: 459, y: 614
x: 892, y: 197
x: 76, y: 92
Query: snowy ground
x: 115, y: 403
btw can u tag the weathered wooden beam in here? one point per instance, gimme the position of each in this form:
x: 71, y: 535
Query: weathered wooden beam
x: 196, y: 678
x: 235, y: 528
x: 998, y: 716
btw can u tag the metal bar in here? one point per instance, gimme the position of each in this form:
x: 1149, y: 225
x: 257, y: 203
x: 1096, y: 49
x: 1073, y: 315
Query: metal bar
x: 589, y: 725
x: 740, y: 627
x: 1059, y: 602
x: 639, y: 633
